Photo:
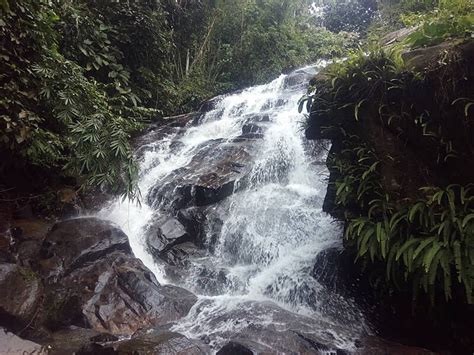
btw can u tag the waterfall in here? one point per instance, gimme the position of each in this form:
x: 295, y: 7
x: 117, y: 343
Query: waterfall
x: 254, y: 270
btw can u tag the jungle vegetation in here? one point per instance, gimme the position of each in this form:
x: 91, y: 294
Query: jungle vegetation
x: 402, y: 157
x: 80, y: 77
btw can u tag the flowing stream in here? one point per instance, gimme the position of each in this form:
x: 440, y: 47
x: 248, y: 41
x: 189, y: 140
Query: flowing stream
x: 257, y: 285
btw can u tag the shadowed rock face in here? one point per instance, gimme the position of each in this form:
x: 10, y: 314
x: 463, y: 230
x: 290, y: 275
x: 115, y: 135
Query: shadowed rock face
x: 207, y: 179
x: 20, y: 292
x: 93, y: 280
x: 160, y: 341
x: 12, y: 344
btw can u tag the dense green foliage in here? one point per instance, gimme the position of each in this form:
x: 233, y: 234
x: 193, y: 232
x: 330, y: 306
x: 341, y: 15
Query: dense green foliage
x: 411, y: 211
x: 80, y: 77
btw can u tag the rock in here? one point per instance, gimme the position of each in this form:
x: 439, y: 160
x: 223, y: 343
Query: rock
x: 72, y: 339
x: 210, y: 105
x: 326, y: 268
x: 182, y: 120
x: 233, y: 348
x: 165, y: 233
x: 76, y: 242
x: 397, y: 36
x: 207, y: 179
x: 258, y: 118
x: 371, y: 345
x: 28, y: 253
x: 94, y: 281
x: 420, y: 59
x: 68, y: 203
x: 194, y: 219
x: 251, y: 128
x: 30, y: 229
x: 20, y: 294
x: 179, y: 254
x: 248, y: 325
x: 10, y: 344
x: 97, y: 349
x: 247, y: 137
x: 161, y: 342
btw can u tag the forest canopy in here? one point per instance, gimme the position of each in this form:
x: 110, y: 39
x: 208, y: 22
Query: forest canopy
x: 80, y: 77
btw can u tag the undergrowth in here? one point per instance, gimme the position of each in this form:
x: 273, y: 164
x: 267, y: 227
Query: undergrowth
x: 399, y: 179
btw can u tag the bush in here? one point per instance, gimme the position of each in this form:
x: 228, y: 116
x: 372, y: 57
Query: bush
x: 397, y: 169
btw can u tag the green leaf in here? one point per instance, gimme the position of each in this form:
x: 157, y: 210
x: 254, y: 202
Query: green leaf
x: 422, y: 246
x: 466, y: 220
x: 357, y: 108
x: 427, y: 260
x: 406, y: 245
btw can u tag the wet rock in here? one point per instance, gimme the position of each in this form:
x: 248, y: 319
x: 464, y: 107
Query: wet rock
x: 182, y: 120
x: 327, y: 267
x: 20, y: 294
x: 207, y: 179
x: 162, y: 342
x: 193, y: 219
x: 28, y: 253
x: 94, y: 281
x: 251, y: 128
x: 247, y: 136
x: 233, y: 348
x: 211, y: 280
x: 12, y: 344
x: 164, y: 234
x: 76, y: 242
x: 29, y: 229
x: 258, y: 118
x: 72, y: 339
x: 371, y: 345
x: 258, y: 327
x: 179, y: 254
x: 97, y: 349
x: 210, y: 105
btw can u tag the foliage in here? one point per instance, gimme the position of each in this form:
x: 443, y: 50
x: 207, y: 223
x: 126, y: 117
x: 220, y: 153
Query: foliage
x: 450, y: 19
x: 54, y: 115
x: 79, y: 77
x: 423, y: 235
x: 349, y: 15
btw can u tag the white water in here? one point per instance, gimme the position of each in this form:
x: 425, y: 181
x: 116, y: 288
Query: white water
x: 273, y: 225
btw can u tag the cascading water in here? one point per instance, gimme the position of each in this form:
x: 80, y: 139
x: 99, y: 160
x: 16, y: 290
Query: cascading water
x: 258, y: 264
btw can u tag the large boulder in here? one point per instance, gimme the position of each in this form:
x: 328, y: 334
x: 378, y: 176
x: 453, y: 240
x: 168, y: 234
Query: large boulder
x: 208, y: 178
x: 94, y: 281
x: 233, y: 348
x: 160, y: 341
x: 20, y: 295
x: 12, y: 344
x: 164, y: 234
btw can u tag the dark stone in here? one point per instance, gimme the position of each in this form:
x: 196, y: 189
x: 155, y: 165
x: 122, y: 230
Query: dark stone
x: 161, y: 342
x: 233, y: 348
x: 251, y: 128
x: 28, y: 253
x: 258, y: 118
x: 178, y: 255
x: 193, y: 219
x: 207, y: 179
x: 103, y: 338
x: 210, y: 105
x: 97, y: 349
x: 76, y: 242
x: 69, y: 340
x: 94, y: 281
x: 166, y: 232
x: 12, y: 344
x: 248, y: 136
x: 20, y: 295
